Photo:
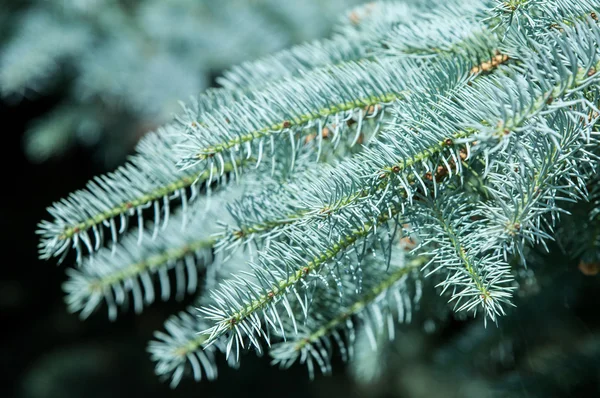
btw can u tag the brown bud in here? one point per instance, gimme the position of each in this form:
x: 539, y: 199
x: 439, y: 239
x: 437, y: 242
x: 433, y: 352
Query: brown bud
x: 309, y: 138
x: 589, y: 269
x: 407, y: 243
x: 486, y: 66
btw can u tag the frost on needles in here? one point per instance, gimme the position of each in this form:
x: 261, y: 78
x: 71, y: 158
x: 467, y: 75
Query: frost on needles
x: 320, y: 189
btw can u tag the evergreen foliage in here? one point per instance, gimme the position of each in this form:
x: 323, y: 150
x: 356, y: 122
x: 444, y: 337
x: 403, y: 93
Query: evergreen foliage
x: 321, y: 192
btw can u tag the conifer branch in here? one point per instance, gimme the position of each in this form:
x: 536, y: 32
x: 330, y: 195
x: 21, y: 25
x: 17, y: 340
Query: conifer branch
x: 303, y: 211
x: 354, y: 90
x: 185, y: 245
x: 244, y: 119
x: 181, y: 345
x: 394, y: 175
x: 313, y: 343
x: 232, y: 315
x: 364, y: 36
x: 149, y: 180
x: 474, y: 278
x: 525, y: 203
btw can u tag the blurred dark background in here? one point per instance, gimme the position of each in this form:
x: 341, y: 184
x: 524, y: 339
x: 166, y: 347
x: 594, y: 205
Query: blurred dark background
x: 548, y: 347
